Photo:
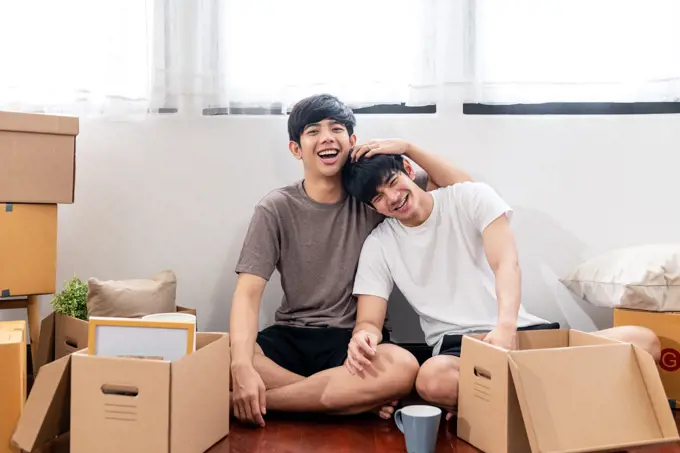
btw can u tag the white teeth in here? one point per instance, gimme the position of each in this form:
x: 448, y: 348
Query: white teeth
x: 328, y: 153
x: 403, y: 202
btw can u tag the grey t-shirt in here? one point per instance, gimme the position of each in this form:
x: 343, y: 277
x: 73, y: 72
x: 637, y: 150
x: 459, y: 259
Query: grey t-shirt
x: 315, y: 247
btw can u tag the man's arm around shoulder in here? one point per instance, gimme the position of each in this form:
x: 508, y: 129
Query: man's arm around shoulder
x: 440, y: 171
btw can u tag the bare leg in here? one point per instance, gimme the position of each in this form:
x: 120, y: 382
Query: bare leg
x: 641, y: 337
x: 275, y: 376
x: 437, y: 382
x: 336, y: 391
x: 272, y: 374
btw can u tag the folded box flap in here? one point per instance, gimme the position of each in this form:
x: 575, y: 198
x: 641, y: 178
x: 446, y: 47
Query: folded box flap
x: 45, y: 352
x: 47, y: 411
x: 657, y: 394
x: 588, y: 398
x: 39, y: 123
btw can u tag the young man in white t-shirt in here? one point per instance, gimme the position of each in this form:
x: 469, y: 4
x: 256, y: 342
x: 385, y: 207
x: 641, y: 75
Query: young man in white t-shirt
x: 452, y: 254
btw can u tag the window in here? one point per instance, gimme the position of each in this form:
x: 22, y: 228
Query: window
x: 214, y: 56
x: 576, y: 51
x: 265, y: 55
x: 74, y: 56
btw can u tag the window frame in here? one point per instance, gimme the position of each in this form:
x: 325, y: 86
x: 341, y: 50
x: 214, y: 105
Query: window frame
x: 556, y: 107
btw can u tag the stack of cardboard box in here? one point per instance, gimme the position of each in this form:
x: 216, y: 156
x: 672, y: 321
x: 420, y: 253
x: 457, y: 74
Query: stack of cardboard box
x: 37, y: 172
x: 666, y: 325
x: 80, y: 401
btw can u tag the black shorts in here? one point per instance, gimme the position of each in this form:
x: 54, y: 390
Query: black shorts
x: 452, y: 343
x: 307, y: 350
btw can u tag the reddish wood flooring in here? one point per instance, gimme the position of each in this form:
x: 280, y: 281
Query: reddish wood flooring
x: 316, y: 434
x: 301, y: 434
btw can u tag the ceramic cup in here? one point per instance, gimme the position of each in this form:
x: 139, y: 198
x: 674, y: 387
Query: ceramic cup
x: 177, y: 317
x: 420, y: 425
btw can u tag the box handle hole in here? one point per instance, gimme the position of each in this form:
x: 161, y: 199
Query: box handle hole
x: 122, y: 390
x: 71, y: 344
x: 481, y: 372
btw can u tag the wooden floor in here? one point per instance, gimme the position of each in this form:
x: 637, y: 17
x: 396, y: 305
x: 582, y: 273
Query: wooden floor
x: 315, y: 434
x: 301, y: 434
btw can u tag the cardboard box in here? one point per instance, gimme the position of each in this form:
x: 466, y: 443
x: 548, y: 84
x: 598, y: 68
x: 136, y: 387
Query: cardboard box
x: 115, y: 404
x: 561, y: 391
x: 28, y: 244
x: 12, y: 379
x: 37, y: 158
x: 62, y: 335
x: 666, y: 325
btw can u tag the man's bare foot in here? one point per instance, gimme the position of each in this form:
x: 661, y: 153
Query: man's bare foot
x: 385, y: 412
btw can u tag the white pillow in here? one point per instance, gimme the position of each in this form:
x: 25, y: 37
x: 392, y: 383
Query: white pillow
x: 645, y: 277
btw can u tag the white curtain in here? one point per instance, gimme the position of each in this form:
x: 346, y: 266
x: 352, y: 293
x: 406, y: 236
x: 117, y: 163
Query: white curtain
x: 194, y: 57
x: 75, y: 56
x: 267, y: 54
x: 130, y: 56
x: 535, y: 51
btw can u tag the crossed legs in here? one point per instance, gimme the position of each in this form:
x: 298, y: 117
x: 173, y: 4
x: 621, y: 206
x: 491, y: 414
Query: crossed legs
x: 437, y: 380
x: 392, y: 376
x: 335, y: 390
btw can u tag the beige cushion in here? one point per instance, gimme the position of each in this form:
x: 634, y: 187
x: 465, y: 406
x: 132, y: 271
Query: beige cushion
x: 132, y: 298
x: 645, y: 277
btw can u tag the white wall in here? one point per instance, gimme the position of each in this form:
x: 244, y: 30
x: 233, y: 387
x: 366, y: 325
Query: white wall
x: 178, y: 194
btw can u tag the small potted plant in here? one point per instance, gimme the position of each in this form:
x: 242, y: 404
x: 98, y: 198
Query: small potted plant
x: 72, y: 300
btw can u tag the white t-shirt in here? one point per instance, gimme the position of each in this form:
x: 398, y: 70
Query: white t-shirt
x: 440, y: 266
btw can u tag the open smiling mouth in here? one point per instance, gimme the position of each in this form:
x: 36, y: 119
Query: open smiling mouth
x: 400, y: 206
x: 329, y: 156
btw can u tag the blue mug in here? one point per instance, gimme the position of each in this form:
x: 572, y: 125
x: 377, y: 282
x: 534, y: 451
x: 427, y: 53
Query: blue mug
x: 420, y: 426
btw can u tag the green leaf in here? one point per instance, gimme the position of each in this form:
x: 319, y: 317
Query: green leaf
x: 72, y: 300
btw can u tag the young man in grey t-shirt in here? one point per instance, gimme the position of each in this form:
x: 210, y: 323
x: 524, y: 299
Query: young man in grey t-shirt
x: 312, y: 233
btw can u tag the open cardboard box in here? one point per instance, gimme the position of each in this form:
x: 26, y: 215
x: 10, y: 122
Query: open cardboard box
x: 120, y: 404
x: 61, y: 335
x: 561, y: 391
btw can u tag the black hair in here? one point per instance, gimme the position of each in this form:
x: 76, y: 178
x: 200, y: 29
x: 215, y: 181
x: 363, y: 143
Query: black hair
x: 316, y: 108
x: 361, y: 179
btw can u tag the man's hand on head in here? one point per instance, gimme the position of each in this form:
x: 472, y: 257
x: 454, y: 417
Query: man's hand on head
x: 361, y: 350
x: 394, y: 146
x: 503, y: 337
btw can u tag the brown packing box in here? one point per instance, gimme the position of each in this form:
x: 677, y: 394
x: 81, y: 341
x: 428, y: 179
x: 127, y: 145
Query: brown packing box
x: 37, y: 158
x: 62, y: 335
x: 561, y: 391
x: 28, y: 249
x: 666, y: 325
x: 115, y: 404
x: 12, y: 379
